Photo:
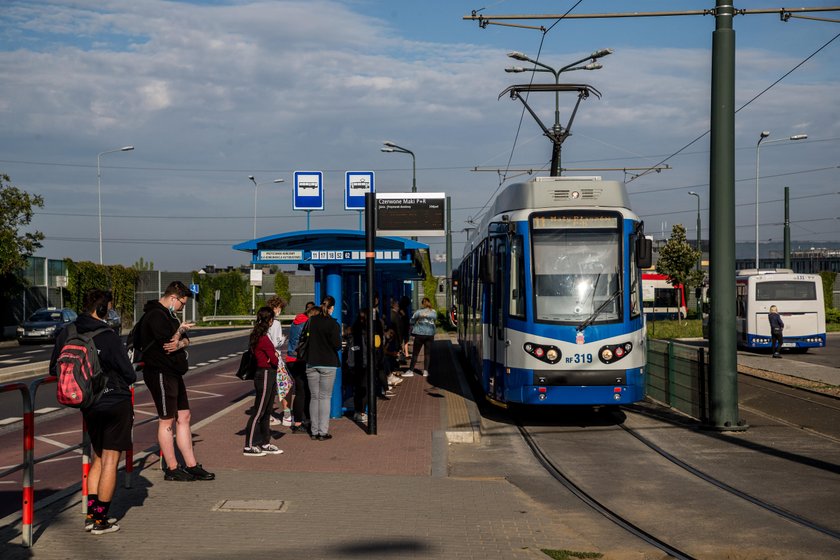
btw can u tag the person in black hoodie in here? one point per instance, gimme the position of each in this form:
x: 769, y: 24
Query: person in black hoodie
x: 109, y: 420
x: 321, y: 364
x: 164, y: 340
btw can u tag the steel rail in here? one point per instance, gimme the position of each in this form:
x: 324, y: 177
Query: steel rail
x: 790, y: 516
x: 595, y: 504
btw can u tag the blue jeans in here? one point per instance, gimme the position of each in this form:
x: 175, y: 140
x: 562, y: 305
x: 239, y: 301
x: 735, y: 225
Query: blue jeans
x: 320, y: 380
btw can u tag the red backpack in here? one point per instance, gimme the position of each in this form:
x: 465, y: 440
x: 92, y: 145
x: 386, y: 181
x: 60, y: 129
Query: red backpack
x: 80, y: 378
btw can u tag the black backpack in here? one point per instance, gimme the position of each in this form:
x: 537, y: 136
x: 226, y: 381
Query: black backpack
x: 80, y: 378
x: 135, y: 347
x: 247, y: 366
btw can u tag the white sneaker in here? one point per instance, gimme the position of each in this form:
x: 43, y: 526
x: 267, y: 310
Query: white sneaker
x: 287, y: 420
x: 360, y: 417
x: 393, y: 380
x: 274, y: 421
x: 425, y: 373
x: 408, y: 373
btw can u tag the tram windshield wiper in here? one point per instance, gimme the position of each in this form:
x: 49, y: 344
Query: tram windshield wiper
x: 598, y: 311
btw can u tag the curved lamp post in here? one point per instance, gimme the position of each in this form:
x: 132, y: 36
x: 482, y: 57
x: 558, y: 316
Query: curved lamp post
x: 256, y: 187
x: 764, y: 134
x: 253, y: 265
x: 390, y: 147
x: 99, y: 189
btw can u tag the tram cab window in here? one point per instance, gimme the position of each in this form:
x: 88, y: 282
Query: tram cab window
x: 576, y: 272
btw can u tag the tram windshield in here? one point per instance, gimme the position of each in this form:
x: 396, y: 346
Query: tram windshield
x: 576, y: 272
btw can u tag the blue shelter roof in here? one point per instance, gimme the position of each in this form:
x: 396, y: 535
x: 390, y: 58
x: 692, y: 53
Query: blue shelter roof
x: 399, y: 256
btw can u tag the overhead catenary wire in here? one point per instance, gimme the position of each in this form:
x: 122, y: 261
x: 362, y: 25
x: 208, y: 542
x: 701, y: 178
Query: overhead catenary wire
x: 503, y: 177
x: 762, y: 92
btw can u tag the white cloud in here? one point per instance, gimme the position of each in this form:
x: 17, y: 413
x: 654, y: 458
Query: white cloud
x: 210, y: 94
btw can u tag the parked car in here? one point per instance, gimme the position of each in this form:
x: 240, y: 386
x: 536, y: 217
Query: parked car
x: 114, y: 320
x: 45, y: 324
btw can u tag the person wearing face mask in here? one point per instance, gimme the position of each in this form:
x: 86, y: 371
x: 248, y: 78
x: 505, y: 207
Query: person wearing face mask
x: 165, y: 341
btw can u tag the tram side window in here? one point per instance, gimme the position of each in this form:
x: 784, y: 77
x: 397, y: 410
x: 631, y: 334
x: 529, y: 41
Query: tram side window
x: 517, y: 278
x: 635, y: 281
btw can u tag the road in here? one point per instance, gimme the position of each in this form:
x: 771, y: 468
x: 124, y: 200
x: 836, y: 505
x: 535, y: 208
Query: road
x: 10, y: 403
x: 828, y: 356
x: 211, y: 386
x: 16, y: 355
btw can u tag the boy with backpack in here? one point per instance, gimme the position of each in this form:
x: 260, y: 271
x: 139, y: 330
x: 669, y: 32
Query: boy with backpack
x: 106, y: 408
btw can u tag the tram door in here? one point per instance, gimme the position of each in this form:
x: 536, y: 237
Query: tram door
x: 497, y: 330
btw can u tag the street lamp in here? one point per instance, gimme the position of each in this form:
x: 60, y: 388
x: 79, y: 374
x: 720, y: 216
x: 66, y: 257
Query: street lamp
x: 99, y: 190
x: 256, y: 186
x: 699, y: 252
x: 390, y: 147
x: 557, y: 130
x: 254, y: 265
x: 764, y: 134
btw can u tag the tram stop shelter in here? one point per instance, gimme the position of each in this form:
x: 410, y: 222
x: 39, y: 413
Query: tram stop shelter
x: 337, y: 258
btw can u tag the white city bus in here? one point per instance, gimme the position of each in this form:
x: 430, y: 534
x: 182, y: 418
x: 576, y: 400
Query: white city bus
x: 799, y: 298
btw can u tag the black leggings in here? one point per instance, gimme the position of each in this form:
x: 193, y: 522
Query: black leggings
x: 257, y: 431
x: 426, y: 343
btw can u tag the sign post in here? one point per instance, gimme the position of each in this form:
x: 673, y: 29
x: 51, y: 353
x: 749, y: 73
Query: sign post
x: 308, y: 193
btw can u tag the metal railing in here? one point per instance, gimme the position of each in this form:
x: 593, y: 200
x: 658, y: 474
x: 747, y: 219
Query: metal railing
x: 28, y: 394
x: 227, y: 318
x: 678, y: 375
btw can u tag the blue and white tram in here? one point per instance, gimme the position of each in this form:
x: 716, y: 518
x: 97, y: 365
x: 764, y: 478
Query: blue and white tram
x: 550, y: 295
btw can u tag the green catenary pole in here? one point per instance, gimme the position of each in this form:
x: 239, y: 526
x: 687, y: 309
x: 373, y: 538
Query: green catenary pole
x: 723, y: 364
x: 787, y: 227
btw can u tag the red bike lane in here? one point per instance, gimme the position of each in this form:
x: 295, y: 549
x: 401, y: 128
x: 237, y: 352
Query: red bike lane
x: 210, y: 389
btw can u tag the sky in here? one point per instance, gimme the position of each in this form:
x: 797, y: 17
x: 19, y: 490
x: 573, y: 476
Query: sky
x: 210, y: 92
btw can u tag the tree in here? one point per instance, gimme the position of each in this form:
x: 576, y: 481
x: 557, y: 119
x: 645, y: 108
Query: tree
x: 142, y: 265
x: 678, y: 260
x: 15, y: 247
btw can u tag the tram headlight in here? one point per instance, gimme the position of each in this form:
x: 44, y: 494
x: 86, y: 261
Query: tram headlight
x: 614, y: 352
x: 545, y: 353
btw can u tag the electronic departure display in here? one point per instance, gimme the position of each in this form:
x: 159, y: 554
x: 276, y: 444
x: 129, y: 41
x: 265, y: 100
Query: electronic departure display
x: 411, y: 214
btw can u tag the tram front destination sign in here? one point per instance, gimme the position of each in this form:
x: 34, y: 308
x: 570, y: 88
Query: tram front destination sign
x: 411, y: 214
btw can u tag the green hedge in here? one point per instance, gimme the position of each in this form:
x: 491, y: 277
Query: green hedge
x: 85, y: 276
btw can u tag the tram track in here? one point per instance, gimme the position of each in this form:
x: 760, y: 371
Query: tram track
x: 577, y: 489
x: 781, y: 512
x: 592, y: 502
